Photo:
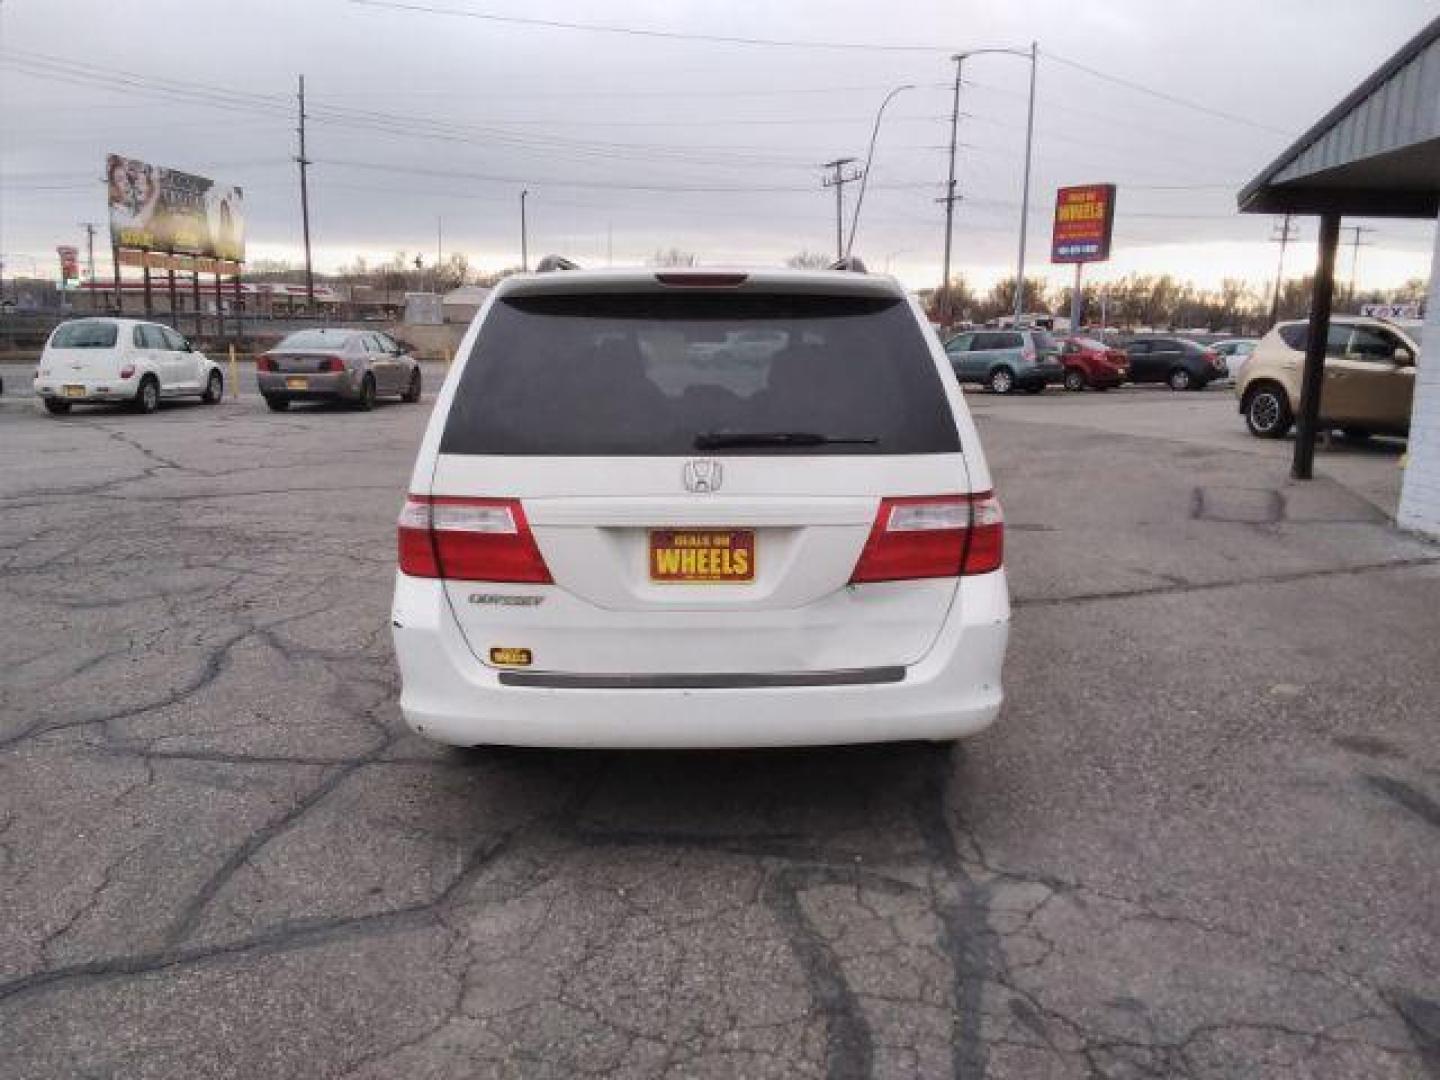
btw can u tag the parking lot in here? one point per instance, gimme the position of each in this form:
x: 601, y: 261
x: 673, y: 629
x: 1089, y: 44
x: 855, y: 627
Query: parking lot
x: 1200, y: 842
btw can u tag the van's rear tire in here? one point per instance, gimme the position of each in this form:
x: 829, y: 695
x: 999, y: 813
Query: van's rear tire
x: 55, y: 407
x: 1179, y: 379
x: 147, y: 398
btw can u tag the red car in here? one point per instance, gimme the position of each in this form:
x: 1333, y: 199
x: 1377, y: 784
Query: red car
x: 1089, y: 362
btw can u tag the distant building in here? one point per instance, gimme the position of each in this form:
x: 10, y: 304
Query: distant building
x: 462, y: 304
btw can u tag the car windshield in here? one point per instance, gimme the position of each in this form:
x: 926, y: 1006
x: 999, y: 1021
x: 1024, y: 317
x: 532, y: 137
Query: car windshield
x: 1044, y: 342
x: 317, y: 339
x: 84, y: 334
x: 1089, y: 343
x: 648, y: 373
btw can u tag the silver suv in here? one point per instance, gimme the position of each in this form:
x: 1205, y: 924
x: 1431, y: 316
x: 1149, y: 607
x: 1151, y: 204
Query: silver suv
x: 1003, y: 360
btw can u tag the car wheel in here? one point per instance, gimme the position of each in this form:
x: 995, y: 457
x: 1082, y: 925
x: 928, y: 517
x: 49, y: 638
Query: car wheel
x: 1267, y: 413
x: 277, y: 404
x: 147, y: 398
x: 366, y: 401
x: 1359, y: 434
x: 1074, y: 379
x: 1001, y: 381
x: 1180, y: 379
x: 214, y: 388
x: 412, y: 391
x: 57, y: 408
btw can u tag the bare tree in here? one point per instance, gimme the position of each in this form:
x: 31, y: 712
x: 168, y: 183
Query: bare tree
x: 808, y: 260
x: 673, y: 257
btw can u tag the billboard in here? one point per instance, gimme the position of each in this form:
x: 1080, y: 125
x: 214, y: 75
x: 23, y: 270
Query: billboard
x: 1084, y: 219
x: 158, y: 209
x: 69, y: 265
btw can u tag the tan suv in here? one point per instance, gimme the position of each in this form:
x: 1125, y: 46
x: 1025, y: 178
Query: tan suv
x: 1369, y: 378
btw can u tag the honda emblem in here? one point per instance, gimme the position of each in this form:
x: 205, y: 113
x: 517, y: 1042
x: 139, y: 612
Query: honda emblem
x: 702, y: 476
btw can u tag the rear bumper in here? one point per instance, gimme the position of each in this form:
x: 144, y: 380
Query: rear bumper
x: 449, y: 696
x: 96, y: 391
x: 1040, y: 374
x: 328, y: 386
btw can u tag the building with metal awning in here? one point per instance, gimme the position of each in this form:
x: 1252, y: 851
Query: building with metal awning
x: 1376, y: 154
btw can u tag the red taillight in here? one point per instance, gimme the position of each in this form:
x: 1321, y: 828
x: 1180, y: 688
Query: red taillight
x: 1027, y: 354
x: 702, y: 280
x: 332, y: 363
x: 264, y: 362
x: 933, y: 536
x: 469, y: 540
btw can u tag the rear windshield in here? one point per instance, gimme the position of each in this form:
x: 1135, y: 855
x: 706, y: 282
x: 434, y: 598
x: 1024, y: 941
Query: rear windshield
x: 1043, y: 341
x: 316, y: 339
x: 645, y: 373
x: 1090, y: 344
x: 84, y: 334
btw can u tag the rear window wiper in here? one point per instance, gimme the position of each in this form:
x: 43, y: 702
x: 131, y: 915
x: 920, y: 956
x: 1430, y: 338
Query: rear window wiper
x: 720, y: 440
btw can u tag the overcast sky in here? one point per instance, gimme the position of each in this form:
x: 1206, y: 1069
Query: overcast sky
x: 420, y: 117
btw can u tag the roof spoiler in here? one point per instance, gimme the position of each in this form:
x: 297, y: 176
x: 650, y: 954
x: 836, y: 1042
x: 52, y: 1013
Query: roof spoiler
x: 852, y: 263
x: 555, y: 262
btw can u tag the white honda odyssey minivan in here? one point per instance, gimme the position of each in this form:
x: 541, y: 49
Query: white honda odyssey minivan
x: 700, y: 508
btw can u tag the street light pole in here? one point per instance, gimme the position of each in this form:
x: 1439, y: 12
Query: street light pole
x: 869, y: 156
x: 524, y: 239
x: 1025, y: 196
x: 950, y: 198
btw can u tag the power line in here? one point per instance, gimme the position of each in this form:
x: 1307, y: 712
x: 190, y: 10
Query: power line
x: 1162, y: 95
x: 633, y: 31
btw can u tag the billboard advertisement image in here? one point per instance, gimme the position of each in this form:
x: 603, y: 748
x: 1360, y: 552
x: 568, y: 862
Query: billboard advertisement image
x: 1084, y: 220
x: 158, y: 209
x: 69, y: 265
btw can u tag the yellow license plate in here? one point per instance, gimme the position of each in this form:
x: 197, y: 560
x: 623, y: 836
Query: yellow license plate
x: 74, y: 391
x: 702, y: 555
x: 296, y: 384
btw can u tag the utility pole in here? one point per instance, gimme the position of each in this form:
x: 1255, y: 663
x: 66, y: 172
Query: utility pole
x: 439, y: 248
x: 1025, y: 194
x: 305, y: 204
x: 838, y: 179
x: 1355, y: 245
x: 950, y: 198
x: 1282, y: 235
x: 90, y: 227
x: 524, y: 237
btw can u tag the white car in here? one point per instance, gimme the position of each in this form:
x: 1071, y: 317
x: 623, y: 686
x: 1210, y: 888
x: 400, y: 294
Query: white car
x: 1236, y: 353
x: 90, y: 361
x: 615, y: 537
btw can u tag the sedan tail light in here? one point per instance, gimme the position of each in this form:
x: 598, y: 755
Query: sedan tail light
x: 264, y: 362
x: 332, y: 363
x: 469, y: 540
x: 933, y: 536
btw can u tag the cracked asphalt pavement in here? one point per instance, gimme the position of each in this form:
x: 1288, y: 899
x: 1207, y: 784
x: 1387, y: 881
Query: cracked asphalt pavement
x: 1200, y: 842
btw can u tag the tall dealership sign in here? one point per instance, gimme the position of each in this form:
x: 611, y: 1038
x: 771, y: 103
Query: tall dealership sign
x: 69, y: 266
x: 172, y: 221
x: 1084, y: 223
